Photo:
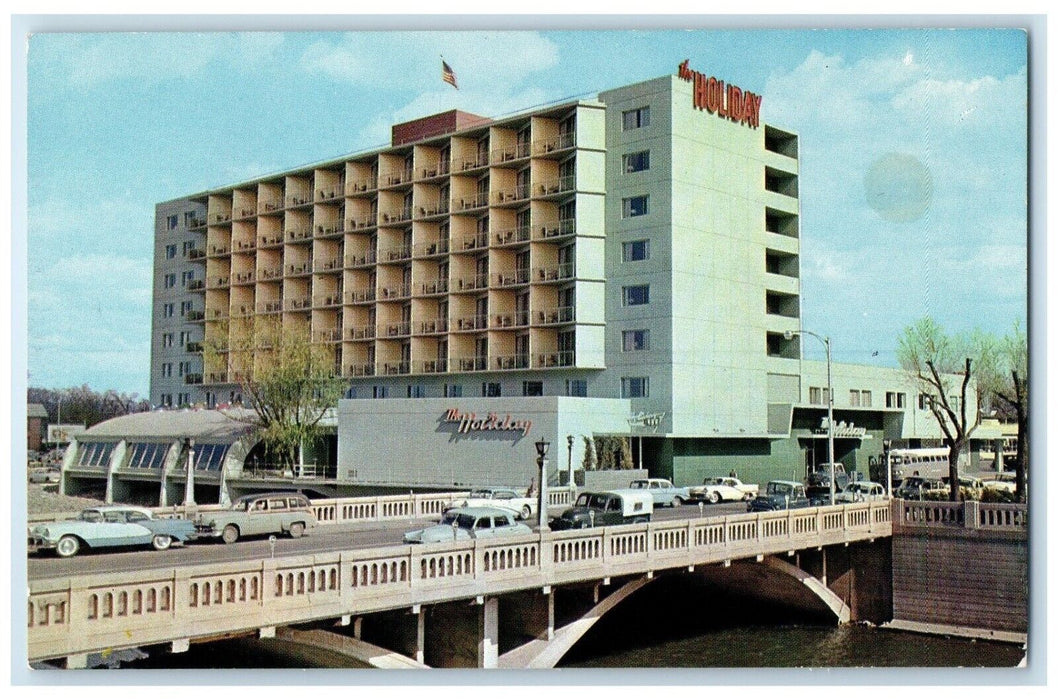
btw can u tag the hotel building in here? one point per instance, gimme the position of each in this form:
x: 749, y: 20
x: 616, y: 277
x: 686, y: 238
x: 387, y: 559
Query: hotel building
x: 627, y: 265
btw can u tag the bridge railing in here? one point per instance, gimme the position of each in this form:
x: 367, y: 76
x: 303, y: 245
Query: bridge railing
x: 72, y: 616
x: 1009, y: 517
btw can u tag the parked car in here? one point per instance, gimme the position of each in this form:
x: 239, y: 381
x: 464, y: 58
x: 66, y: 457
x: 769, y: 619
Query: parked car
x: 259, y: 514
x: 522, y: 506
x: 859, y: 491
x: 601, y: 508
x: 915, y: 488
x: 780, y: 495
x: 1003, y: 481
x: 817, y: 483
x: 110, y: 526
x: 662, y: 491
x: 469, y: 524
x: 44, y: 475
x: 723, y: 488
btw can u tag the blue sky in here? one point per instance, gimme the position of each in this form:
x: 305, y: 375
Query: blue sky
x: 913, y: 156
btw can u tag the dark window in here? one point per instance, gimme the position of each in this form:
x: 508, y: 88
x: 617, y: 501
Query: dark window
x: 636, y: 118
x: 490, y: 388
x: 532, y: 388
x: 637, y: 295
x: 635, y: 250
x: 634, y: 206
x: 635, y: 162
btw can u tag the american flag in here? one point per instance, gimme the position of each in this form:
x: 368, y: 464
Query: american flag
x: 448, y: 75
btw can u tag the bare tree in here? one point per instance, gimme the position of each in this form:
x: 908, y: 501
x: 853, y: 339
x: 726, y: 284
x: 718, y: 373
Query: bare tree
x: 942, y: 366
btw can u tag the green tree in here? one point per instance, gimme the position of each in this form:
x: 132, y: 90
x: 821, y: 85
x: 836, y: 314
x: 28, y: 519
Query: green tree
x: 289, y: 383
x: 588, y: 463
x: 1004, y: 380
x: 942, y: 366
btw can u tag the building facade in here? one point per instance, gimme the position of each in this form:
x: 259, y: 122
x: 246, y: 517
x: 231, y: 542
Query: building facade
x: 641, y: 248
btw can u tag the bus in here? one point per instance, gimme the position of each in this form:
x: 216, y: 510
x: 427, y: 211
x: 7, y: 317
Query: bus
x: 927, y: 462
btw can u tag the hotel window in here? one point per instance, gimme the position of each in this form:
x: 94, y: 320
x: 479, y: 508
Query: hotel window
x: 170, y: 251
x: 350, y: 393
x: 185, y: 306
x: 185, y: 338
x: 189, y: 216
x: 953, y: 401
x: 167, y: 310
x: 636, y: 295
x: 167, y: 369
x: 532, y: 388
x: 854, y: 397
x: 188, y: 247
x: 490, y: 389
x: 636, y: 118
x: 186, y: 277
x: 635, y: 387
x: 632, y: 341
x: 453, y: 391
x: 170, y: 280
x: 923, y: 402
x: 895, y: 400
x: 379, y: 392
x: 635, y: 250
x: 865, y: 398
x: 172, y: 222
x: 167, y: 340
x: 211, y: 399
x: 416, y: 391
x: 819, y: 396
x: 576, y: 387
x: 634, y: 206
x: 635, y: 162
x: 180, y: 369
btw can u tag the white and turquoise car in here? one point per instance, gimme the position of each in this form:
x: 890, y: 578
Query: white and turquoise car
x: 110, y: 526
x: 469, y: 524
x: 663, y: 492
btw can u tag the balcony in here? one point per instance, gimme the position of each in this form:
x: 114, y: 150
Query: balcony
x: 472, y: 323
x: 365, y: 369
x: 269, y: 307
x: 327, y: 265
x: 518, y: 319
x: 270, y: 206
x: 470, y: 284
x: 395, y: 217
x: 477, y: 201
x: 425, y: 250
x: 241, y: 311
x: 562, y: 142
x: 555, y: 230
x: 556, y: 187
x: 472, y: 162
x: 327, y: 194
x: 438, y: 169
x: 223, y: 217
x: 302, y: 304
x: 325, y: 301
x: 561, y: 315
x: 437, y: 286
x: 433, y: 366
x: 296, y: 269
x: 398, y: 254
x: 247, y: 277
x: 333, y: 228
x: 364, y: 296
x: 219, y: 250
x: 402, y: 177
x: 511, y: 279
x: 244, y: 246
x: 194, y: 316
x: 359, y: 224
x: 199, y: 285
x: 396, y: 368
x: 218, y: 378
x: 557, y: 273
x: 246, y: 212
x: 477, y: 241
x: 394, y: 330
x: 268, y: 274
x: 554, y: 359
x: 196, y: 254
x: 196, y: 223
x: 331, y: 335
x: 194, y: 346
x: 437, y: 325
x: 472, y: 364
x: 511, y: 362
x: 192, y: 379
x: 356, y: 187
x: 364, y: 259
x: 270, y: 241
x: 402, y: 291
x: 299, y: 199
x: 511, y: 236
x: 211, y: 283
x: 360, y: 333
x: 296, y: 235
x: 216, y: 314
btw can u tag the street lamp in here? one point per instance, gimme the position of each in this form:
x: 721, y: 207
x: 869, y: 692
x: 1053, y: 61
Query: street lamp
x: 189, y: 484
x: 569, y: 462
x: 542, y: 446
x: 830, y: 400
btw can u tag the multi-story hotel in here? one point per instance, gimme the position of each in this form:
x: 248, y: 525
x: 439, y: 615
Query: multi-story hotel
x: 627, y: 265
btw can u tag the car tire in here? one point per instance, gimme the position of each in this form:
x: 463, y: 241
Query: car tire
x: 161, y: 542
x: 676, y: 502
x: 714, y: 497
x: 67, y: 546
x: 297, y: 530
x: 230, y: 534
x: 527, y: 512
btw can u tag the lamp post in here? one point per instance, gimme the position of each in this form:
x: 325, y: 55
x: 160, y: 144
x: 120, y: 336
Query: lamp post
x: 542, y: 446
x: 189, y: 485
x: 830, y: 400
x: 569, y: 460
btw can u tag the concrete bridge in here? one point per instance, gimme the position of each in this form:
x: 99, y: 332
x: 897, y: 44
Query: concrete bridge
x: 443, y: 604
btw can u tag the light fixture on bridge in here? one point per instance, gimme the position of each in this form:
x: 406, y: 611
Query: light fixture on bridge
x: 542, y: 446
x: 830, y: 399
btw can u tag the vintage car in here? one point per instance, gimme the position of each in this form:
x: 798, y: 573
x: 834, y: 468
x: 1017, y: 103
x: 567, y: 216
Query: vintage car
x: 469, y: 524
x: 662, y: 491
x: 780, y: 495
x: 522, y: 506
x: 110, y: 526
x: 259, y: 514
x: 1003, y: 481
x: 723, y: 488
x: 600, y: 508
x: 44, y: 475
x: 915, y: 488
x: 817, y: 483
x: 859, y: 491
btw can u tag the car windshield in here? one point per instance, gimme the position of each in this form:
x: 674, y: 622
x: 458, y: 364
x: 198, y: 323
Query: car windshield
x: 712, y: 480
x: 91, y: 516
x: 480, y: 493
x: 637, y: 485
x: 780, y: 489
x: 857, y: 488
